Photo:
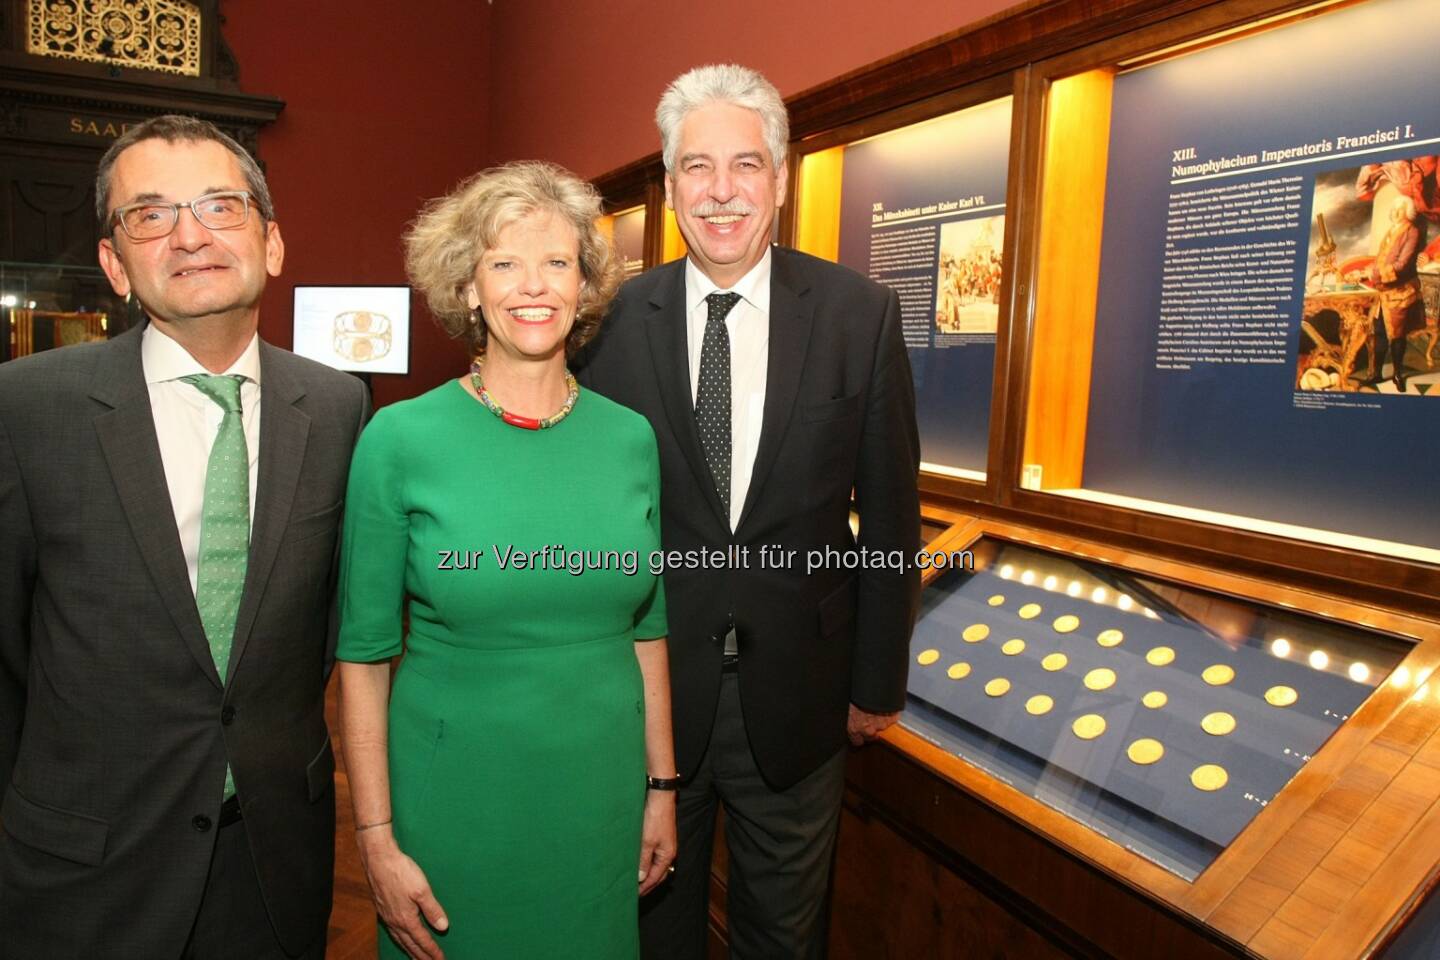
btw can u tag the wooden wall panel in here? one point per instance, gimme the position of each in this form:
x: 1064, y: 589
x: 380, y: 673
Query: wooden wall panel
x: 894, y: 900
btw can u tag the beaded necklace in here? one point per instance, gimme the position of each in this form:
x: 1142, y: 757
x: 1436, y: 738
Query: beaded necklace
x: 514, y: 419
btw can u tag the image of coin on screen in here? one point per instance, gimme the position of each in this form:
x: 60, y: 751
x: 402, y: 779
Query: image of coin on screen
x: 363, y: 329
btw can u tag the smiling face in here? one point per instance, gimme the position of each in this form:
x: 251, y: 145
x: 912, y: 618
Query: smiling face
x: 194, y: 272
x: 527, y: 287
x: 724, y: 190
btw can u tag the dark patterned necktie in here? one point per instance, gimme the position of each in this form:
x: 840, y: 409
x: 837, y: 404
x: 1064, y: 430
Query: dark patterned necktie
x: 712, y: 395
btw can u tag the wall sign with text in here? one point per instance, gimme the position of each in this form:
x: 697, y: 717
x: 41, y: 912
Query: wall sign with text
x: 1265, y: 339
x: 922, y: 210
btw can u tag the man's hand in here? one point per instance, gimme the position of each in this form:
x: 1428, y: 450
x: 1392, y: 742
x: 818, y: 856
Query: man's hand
x: 864, y: 727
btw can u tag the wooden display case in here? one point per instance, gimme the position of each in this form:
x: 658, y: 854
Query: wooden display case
x: 937, y: 853
x: 938, y: 857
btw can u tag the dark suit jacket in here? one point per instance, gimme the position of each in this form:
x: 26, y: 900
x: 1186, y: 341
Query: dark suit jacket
x: 839, y: 416
x: 114, y: 725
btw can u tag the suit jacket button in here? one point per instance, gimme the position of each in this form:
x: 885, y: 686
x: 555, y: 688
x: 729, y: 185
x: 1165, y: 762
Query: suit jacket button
x: 227, y: 716
x: 201, y: 823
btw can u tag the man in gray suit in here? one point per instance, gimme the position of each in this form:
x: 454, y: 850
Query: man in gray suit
x: 169, y: 507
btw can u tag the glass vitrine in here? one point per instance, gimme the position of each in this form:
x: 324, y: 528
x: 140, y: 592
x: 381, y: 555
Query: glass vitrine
x: 1161, y: 716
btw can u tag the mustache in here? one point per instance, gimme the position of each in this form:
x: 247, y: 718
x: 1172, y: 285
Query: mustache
x: 735, y: 207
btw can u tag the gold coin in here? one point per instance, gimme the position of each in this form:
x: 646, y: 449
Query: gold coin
x: 1101, y: 678
x: 1219, y: 674
x: 1209, y: 777
x: 958, y: 671
x: 1155, y: 699
x: 1089, y: 726
x: 1066, y: 623
x: 996, y: 600
x: 1281, y: 696
x: 1055, y: 661
x: 975, y: 633
x: 1145, y: 751
x: 1038, y: 704
x: 1160, y: 656
x: 997, y: 687
x: 1110, y: 638
x: 1012, y: 647
x: 1030, y: 611
x: 1218, y: 724
x: 928, y: 657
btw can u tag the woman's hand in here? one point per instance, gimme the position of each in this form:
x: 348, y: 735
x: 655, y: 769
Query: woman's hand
x: 658, y: 844
x: 402, y: 894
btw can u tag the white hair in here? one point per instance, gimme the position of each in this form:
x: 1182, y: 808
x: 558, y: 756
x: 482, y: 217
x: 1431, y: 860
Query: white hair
x: 722, y: 83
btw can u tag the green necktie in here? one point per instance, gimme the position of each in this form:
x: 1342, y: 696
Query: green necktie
x: 224, y: 526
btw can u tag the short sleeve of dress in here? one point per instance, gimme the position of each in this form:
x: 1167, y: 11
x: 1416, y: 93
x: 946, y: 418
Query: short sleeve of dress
x: 373, y: 548
x: 650, y: 621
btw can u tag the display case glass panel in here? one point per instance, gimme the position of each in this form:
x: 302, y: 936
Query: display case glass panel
x: 48, y: 305
x: 1159, y: 715
x: 630, y: 240
x: 1258, y: 347
x: 921, y: 209
x: 626, y: 230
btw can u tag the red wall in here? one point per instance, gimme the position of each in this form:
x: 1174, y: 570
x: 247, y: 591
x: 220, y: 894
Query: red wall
x: 383, y: 110
x: 577, y: 83
x: 387, y: 108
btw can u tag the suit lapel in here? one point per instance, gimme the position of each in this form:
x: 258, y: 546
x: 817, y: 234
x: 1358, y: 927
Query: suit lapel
x: 284, y: 431
x: 790, y: 324
x: 672, y: 373
x: 127, y: 438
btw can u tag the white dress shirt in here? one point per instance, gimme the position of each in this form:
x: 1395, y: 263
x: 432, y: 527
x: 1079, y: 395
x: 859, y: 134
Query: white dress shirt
x: 186, y: 424
x: 748, y: 324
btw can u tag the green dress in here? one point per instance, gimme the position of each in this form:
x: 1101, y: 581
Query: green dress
x: 517, y: 755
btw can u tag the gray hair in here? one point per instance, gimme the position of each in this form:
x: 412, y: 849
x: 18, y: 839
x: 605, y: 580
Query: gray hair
x: 722, y: 83
x: 172, y: 128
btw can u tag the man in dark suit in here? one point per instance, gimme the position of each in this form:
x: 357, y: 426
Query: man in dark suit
x: 167, y: 552
x: 777, y: 385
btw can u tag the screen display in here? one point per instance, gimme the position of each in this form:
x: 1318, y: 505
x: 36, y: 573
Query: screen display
x: 363, y: 329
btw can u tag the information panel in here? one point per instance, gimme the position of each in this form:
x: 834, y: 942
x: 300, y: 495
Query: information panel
x: 1266, y: 323
x: 922, y: 210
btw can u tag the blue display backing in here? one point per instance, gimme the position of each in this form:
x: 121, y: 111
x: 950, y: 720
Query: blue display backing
x: 1151, y: 808
x: 1261, y: 756
x: 1231, y: 438
x: 952, y: 159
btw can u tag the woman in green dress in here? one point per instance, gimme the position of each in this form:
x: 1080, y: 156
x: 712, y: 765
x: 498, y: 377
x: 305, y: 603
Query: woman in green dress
x: 521, y: 767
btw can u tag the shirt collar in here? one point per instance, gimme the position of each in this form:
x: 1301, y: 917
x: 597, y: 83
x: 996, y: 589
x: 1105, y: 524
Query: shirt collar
x: 162, y: 358
x: 754, y: 287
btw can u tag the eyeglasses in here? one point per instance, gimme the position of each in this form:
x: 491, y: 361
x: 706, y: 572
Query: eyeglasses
x: 217, y: 211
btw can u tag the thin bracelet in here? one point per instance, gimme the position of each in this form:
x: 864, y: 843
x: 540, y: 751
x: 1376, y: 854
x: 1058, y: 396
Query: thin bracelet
x: 662, y: 783
x: 372, y: 826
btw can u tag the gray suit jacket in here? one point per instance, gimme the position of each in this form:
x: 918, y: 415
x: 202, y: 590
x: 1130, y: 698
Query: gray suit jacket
x: 115, y: 727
